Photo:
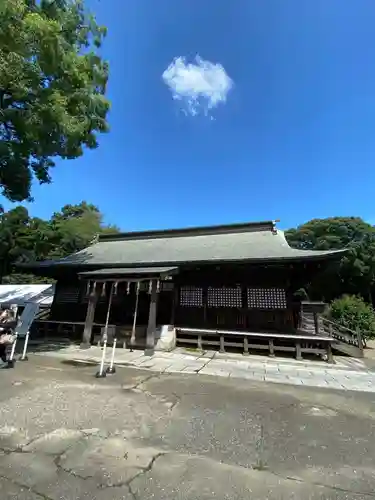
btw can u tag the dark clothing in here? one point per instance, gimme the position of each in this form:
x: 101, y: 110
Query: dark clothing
x: 3, y: 353
x: 7, y: 327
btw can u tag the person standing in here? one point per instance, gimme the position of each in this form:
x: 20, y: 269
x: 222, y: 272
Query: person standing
x: 7, y: 324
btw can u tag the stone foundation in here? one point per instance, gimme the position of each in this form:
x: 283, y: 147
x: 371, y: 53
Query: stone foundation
x: 165, y: 338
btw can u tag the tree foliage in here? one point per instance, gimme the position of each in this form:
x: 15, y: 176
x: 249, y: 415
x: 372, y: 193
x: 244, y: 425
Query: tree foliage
x: 355, y: 272
x: 24, y: 238
x: 75, y: 227
x: 52, y: 86
x: 352, y: 312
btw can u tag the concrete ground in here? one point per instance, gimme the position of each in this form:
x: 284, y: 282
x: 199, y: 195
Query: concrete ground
x: 137, y: 434
x: 370, y: 350
x: 346, y: 374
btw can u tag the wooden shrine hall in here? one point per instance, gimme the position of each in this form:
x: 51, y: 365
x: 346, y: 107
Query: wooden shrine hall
x: 239, y: 277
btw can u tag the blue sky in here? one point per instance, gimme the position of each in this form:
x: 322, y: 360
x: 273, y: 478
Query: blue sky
x: 294, y: 140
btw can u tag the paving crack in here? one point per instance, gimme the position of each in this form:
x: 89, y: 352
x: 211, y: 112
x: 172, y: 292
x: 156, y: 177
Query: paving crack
x: 261, y: 464
x: 148, y: 468
x: 20, y: 448
x: 142, y: 470
x: 17, y: 449
x: 322, y: 485
x: 204, y: 366
x: 132, y: 493
x: 178, y: 401
x: 139, y: 387
x: 143, y: 381
x: 21, y: 485
x: 60, y: 467
x: 72, y: 473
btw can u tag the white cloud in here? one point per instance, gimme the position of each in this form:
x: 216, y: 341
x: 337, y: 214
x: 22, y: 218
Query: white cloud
x: 200, y: 86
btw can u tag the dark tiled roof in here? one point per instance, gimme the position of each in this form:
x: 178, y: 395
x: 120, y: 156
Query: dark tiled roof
x: 239, y: 242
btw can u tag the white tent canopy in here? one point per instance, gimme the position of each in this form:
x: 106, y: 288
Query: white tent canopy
x: 21, y: 295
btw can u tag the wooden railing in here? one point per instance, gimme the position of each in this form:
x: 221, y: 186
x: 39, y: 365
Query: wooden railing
x: 43, y: 314
x: 252, y: 341
x: 344, y: 334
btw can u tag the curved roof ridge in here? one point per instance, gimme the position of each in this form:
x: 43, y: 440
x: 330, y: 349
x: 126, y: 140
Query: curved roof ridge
x: 191, y: 231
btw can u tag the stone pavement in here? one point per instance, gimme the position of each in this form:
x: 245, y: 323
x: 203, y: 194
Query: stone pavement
x: 138, y: 435
x: 346, y: 374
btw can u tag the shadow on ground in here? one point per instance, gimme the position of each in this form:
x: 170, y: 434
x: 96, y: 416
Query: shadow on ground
x: 78, y: 364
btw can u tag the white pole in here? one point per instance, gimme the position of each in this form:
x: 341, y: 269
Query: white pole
x: 101, y: 373
x: 108, y: 313
x: 132, y: 340
x: 111, y: 368
x: 11, y: 360
x: 24, y: 357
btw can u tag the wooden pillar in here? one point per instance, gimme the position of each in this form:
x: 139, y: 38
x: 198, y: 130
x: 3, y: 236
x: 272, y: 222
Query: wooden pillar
x: 298, y: 351
x: 316, y: 323
x: 360, y: 341
x: 330, y: 329
x: 245, y: 346
x: 271, y: 348
x: 151, y: 327
x: 329, y: 353
x: 222, y: 346
x: 199, y: 342
x: 174, y: 304
x: 132, y: 338
x: 86, y: 337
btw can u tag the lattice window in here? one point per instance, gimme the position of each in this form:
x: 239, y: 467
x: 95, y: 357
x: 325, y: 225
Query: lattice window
x: 224, y: 297
x: 266, y: 298
x: 191, y: 296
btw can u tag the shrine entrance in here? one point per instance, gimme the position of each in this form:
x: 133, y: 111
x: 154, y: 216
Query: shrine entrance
x: 128, y: 299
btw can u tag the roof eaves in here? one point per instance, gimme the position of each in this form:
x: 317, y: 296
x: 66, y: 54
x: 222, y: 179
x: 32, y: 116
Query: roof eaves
x: 130, y: 271
x: 298, y: 255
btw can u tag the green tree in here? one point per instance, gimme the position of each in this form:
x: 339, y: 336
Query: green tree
x: 75, y: 227
x: 52, y: 87
x: 352, y: 312
x: 22, y: 239
x: 25, y: 279
x: 26, y: 239
x: 355, y: 272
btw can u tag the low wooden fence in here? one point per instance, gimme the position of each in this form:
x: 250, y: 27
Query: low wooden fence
x: 247, y: 341
x: 348, y: 341
x: 43, y: 328
x: 73, y: 330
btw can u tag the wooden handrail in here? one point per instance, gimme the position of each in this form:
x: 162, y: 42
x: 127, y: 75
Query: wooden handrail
x: 339, y: 326
x: 241, y: 333
x: 343, y: 327
x: 337, y: 330
x: 356, y: 334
